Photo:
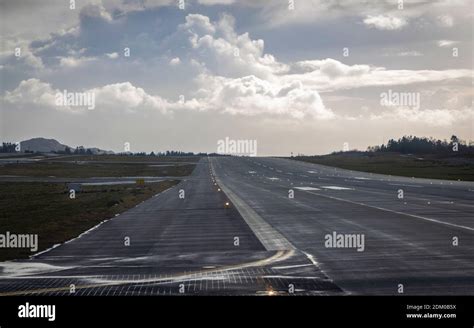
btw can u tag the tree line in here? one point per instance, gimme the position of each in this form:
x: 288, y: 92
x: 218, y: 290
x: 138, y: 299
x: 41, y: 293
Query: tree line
x: 9, y: 147
x: 417, y: 145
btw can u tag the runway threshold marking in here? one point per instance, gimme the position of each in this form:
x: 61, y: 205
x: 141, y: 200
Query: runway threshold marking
x: 180, y: 277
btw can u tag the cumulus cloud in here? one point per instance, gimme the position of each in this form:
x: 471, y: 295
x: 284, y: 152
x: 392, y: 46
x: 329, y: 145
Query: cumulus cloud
x: 32, y: 92
x: 252, y: 96
x: 235, y: 76
x: 383, y: 22
x: 117, y: 96
x: 248, y: 96
x: 223, y: 51
x: 127, y: 96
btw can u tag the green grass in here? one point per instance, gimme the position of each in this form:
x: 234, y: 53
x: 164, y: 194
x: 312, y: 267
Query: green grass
x: 46, y: 209
x: 88, y: 170
x: 454, y: 167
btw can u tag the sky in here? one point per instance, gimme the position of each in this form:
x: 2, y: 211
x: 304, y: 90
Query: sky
x: 303, y: 77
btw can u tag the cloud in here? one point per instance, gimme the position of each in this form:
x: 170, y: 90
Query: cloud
x: 128, y: 97
x: 252, y: 96
x: 384, y: 13
x: 32, y: 92
x: 247, y: 96
x: 331, y: 75
x: 112, y: 55
x: 175, y: 61
x: 382, y: 22
x: 446, y: 43
x: 233, y: 75
x: 116, y: 97
x: 95, y: 11
x: 222, y: 51
x: 75, y: 61
x: 330, y: 67
x: 27, y: 57
x: 430, y: 117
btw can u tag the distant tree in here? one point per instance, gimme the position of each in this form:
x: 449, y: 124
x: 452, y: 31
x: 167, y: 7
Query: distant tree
x: 416, y: 145
x: 79, y: 150
x: 8, y: 147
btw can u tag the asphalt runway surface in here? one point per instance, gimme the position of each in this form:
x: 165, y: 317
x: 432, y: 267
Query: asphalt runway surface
x: 267, y: 243
x: 408, y: 242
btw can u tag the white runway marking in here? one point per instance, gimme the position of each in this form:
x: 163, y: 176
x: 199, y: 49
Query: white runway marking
x: 291, y: 266
x: 336, y: 188
x: 405, y: 185
x: 396, y: 212
x: 306, y: 188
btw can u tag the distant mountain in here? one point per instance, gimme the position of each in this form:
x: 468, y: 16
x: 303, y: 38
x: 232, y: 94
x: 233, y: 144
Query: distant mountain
x: 42, y: 145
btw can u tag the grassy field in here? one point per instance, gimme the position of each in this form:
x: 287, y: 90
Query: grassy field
x: 130, y: 159
x: 422, y: 166
x: 46, y: 209
x: 88, y: 170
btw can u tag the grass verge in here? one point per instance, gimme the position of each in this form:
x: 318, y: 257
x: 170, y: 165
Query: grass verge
x: 453, y: 167
x: 46, y: 209
x: 89, y: 170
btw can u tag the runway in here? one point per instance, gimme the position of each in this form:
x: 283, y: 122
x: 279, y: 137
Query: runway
x: 266, y: 243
